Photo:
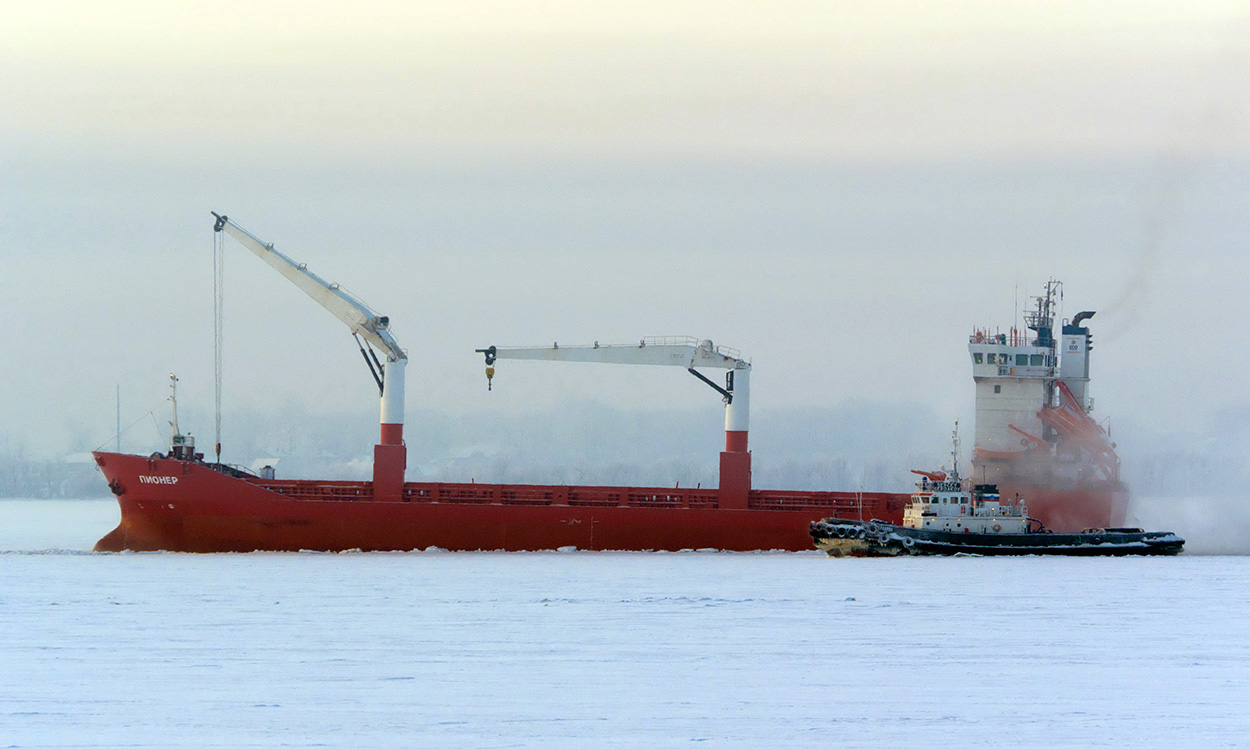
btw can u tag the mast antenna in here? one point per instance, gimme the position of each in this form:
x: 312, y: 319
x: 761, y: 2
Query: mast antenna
x: 955, y: 452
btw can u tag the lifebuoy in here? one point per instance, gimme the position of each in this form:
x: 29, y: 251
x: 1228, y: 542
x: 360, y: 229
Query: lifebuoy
x: 997, y: 527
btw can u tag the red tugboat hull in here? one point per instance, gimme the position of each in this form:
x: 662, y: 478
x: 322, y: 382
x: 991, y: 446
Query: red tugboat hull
x: 183, y: 505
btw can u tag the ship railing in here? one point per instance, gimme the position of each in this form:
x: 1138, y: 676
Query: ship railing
x: 844, y: 504
x: 685, y: 340
x: 483, y: 494
x: 572, y: 496
x: 325, y: 490
x: 669, y: 340
x: 1005, y: 511
x: 231, y: 469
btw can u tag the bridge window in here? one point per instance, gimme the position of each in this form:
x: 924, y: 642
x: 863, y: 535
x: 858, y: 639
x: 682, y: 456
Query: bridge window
x: 1022, y: 360
x: 991, y: 358
x: 976, y: 358
x: 1035, y: 360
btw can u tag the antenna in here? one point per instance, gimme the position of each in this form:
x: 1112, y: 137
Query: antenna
x: 955, y: 452
x: 1015, y: 305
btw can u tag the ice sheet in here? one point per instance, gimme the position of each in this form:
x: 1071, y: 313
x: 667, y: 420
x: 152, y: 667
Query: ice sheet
x: 615, y: 649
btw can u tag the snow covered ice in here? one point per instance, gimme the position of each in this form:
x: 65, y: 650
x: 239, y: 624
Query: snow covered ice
x: 613, y: 649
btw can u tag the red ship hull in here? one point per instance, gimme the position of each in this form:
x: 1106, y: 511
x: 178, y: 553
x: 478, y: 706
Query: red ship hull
x: 177, y: 505
x: 1072, y: 510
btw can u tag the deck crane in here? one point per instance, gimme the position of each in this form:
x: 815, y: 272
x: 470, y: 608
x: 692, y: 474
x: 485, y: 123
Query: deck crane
x: 680, y: 351
x: 390, y: 454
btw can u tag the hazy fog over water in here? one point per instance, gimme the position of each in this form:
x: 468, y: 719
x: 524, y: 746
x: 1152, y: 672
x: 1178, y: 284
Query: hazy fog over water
x: 839, y: 191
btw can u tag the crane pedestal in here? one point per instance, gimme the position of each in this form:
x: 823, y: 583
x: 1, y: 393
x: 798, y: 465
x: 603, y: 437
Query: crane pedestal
x: 735, y: 480
x: 389, y: 462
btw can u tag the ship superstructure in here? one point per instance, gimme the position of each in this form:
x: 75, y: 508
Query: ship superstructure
x: 1034, y: 432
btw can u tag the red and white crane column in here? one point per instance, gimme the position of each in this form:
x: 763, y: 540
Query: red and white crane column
x: 735, y: 462
x: 390, y: 455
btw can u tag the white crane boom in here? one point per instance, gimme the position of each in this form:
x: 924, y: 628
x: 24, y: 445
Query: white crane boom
x: 362, y: 320
x: 673, y: 351
x: 679, y: 351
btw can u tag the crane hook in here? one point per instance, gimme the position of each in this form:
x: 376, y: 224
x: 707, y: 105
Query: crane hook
x: 490, y: 353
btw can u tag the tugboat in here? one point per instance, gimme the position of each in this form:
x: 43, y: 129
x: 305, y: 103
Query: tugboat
x: 950, y: 515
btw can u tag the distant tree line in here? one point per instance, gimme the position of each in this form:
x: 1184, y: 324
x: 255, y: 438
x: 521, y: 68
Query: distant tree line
x: 49, y: 479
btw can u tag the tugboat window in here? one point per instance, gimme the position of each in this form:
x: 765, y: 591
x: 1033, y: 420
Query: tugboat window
x: 998, y: 388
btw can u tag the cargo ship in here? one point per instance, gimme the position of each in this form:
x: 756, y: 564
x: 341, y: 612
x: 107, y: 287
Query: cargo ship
x: 1035, y: 436
x: 178, y: 501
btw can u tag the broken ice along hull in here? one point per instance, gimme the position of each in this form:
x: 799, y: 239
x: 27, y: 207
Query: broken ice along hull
x: 187, y: 505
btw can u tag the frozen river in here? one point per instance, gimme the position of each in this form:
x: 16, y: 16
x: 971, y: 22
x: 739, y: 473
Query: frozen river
x: 608, y: 649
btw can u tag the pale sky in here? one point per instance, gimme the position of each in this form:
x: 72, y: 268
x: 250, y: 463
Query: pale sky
x: 379, y: 81
x: 840, y: 190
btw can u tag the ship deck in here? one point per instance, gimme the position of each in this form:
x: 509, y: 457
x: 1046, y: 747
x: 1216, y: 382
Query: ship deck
x: 540, y: 495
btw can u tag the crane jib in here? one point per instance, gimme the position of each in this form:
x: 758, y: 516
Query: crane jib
x: 359, y: 318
